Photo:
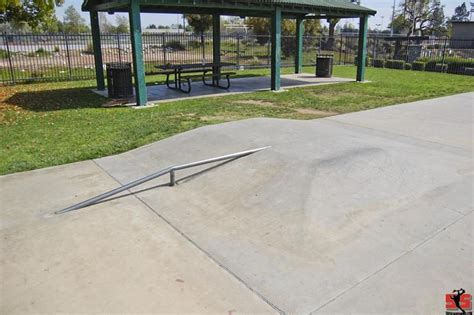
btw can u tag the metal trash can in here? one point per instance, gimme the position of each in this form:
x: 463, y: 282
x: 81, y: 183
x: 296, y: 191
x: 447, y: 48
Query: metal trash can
x: 324, y: 65
x: 119, y: 79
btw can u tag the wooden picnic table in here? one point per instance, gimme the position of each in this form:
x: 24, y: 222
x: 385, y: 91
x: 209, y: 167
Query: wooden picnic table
x: 184, y: 73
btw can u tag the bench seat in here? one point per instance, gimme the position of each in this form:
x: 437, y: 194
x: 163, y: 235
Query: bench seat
x: 187, y: 75
x: 218, y: 76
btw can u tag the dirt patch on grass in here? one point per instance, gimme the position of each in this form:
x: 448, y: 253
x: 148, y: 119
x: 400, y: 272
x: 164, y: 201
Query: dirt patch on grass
x: 310, y: 111
x: 304, y: 111
x: 217, y: 117
x: 118, y: 102
x: 258, y: 103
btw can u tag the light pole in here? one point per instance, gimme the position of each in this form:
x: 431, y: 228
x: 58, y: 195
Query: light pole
x: 380, y: 24
x: 393, y: 17
x: 472, y: 10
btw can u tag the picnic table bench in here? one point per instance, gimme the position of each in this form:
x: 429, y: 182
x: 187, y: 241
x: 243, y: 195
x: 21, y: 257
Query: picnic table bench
x: 185, y: 73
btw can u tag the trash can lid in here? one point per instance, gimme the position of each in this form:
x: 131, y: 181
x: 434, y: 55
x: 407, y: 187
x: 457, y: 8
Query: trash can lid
x: 118, y: 65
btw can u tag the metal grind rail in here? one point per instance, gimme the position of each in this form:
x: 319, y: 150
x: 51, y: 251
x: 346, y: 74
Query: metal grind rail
x: 171, y: 170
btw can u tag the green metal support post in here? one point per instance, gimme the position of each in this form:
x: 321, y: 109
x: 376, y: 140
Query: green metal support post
x: 137, y: 52
x: 276, y: 49
x: 362, y: 54
x: 299, y: 45
x: 99, y: 66
x: 216, y: 43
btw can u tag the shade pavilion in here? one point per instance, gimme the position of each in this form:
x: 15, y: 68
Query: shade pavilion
x: 276, y: 10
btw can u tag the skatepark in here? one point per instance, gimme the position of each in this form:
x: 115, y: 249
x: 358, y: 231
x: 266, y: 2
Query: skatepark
x: 368, y: 212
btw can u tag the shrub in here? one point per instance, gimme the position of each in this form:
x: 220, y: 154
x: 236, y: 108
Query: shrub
x: 194, y: 44
x: 440, y: 67
x: 3, y: 54
x: 418, y: 66
x: 379, y: 63
x: 249, y: 41
x: 469, y: 71
x: 37, y: 75
x: 56, y: 49
x: 408, y: 66
x: 175, y: 45
x: 430, y: 65
x: 435, y: 66
x: 395, y: 64
x: 255, y: 61
x: 367, y: 61
x: 451, y: 65
x: 461, y: 66
x: 42, y: 52
x: 288, y: 47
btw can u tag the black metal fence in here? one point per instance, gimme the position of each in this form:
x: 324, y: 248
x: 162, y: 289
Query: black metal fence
x: 55, y: 57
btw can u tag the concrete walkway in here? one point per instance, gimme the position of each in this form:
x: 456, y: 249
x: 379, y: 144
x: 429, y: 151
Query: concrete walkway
x: 369, y: 212
x: 161, y: 93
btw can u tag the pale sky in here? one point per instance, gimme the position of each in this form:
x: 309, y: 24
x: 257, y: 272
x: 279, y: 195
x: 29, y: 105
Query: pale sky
x: 380, y: 20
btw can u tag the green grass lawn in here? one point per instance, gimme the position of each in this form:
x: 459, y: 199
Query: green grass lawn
x: 55, y: 123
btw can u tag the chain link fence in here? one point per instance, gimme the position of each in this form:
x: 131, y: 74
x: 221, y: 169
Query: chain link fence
x: 58, y: 57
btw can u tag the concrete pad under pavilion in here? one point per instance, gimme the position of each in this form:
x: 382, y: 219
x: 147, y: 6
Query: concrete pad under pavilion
x: 160, y: 93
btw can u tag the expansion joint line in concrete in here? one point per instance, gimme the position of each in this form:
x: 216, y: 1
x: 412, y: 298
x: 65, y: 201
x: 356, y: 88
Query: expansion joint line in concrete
x: 207, y: 254
x: 427, y: 239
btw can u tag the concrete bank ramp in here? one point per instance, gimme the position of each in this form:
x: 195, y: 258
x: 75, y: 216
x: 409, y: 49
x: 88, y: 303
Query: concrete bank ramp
x: 336, y: 216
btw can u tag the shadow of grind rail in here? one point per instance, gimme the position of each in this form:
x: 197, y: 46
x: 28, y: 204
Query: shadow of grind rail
x: 170, y: 170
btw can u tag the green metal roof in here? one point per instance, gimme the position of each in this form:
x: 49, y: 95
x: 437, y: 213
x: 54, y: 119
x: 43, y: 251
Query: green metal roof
x: 336, y: 8
x: 333, y: 4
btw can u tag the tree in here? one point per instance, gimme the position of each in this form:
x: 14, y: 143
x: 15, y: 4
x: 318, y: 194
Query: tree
x: 200, y: 25
x: 332, y: 27
x: 349, y: 28
x: 34, y: 13
x: 122, y: 24
x: 419, y: 17
x: 400, y: 25
x: 438, y: 22
x: 261, y: 28
x: 461, y: 13
x: 104, y: 23
x: 152, y: 27
x: 312, y: 27
x: 53, y: 26
x: 73, y: 22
